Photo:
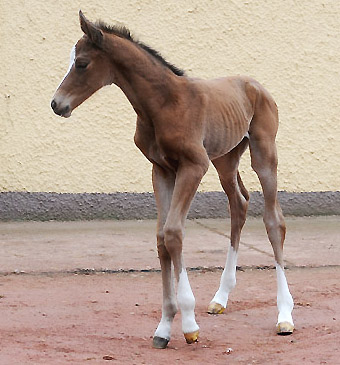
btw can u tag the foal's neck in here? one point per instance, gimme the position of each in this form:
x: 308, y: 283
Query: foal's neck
x: 147, y: 83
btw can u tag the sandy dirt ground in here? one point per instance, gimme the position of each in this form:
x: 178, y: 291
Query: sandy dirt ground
x: 52, y: 313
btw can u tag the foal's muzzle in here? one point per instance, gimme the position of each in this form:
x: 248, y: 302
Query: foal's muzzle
x: 60, y: 109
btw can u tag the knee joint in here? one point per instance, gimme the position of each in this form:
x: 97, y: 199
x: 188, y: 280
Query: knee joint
x: 162, y: 251
x: 172, y: 238
x: 160, y: 238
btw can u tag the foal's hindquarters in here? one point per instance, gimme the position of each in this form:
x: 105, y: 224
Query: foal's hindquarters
x: 262, y: 133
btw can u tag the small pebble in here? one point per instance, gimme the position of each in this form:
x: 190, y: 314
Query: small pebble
x: 108, y: 357
x: 228, y: 351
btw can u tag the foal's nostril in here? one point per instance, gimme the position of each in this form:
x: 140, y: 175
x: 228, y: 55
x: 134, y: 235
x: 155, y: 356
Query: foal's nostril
x: 53, y: 104
x: 60, y: 109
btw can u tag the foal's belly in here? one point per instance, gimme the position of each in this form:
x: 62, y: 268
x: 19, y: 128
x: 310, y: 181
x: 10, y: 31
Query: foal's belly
x: 222, y: 138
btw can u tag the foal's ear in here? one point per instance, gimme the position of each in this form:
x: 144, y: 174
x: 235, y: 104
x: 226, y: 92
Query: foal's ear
x: 94, y: 33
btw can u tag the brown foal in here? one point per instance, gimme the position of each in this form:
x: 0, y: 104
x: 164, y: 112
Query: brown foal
x: 182, y: 124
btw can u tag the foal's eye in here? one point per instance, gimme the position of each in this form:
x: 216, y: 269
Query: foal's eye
x: 81, y: 65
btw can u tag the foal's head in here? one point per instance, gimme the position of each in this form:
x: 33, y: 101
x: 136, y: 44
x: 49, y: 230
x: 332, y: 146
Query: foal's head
x: 89, y: 70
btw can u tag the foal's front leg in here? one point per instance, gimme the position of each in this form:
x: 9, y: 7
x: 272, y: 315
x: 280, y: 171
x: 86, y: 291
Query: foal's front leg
x: 163, y: 184
x: 188, y: 178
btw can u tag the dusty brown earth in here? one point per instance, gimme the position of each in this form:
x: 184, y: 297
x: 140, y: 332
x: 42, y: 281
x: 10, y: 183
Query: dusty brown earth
x: 57, y: 316
x: 83, y: 319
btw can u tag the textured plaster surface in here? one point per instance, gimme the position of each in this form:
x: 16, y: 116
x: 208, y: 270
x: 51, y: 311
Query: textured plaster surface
x: 291, y: 47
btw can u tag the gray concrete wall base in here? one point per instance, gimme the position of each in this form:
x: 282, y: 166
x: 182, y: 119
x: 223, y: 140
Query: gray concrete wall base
x: 89, y: 206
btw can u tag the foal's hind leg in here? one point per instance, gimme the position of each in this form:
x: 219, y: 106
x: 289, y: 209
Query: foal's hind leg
x: 264, y: 162
x: 226, y: 167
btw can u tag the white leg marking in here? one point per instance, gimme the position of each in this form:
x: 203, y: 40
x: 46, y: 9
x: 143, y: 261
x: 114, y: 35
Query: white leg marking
x: 186, y: 303
x: 164, y: 327
x: 169, y: 310
x: 228, y: 279
x: 285, y: 302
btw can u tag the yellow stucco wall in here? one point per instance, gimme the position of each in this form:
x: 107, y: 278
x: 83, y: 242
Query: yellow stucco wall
x: 292, y: 47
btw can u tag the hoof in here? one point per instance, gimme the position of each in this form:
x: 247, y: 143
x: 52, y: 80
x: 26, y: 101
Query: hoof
x: 159, y: 342
x: 284, y: 328
x: 191, y: 337
x: 215, y: 308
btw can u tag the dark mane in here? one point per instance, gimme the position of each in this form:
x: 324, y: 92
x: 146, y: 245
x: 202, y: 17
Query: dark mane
x: 123, y: 32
